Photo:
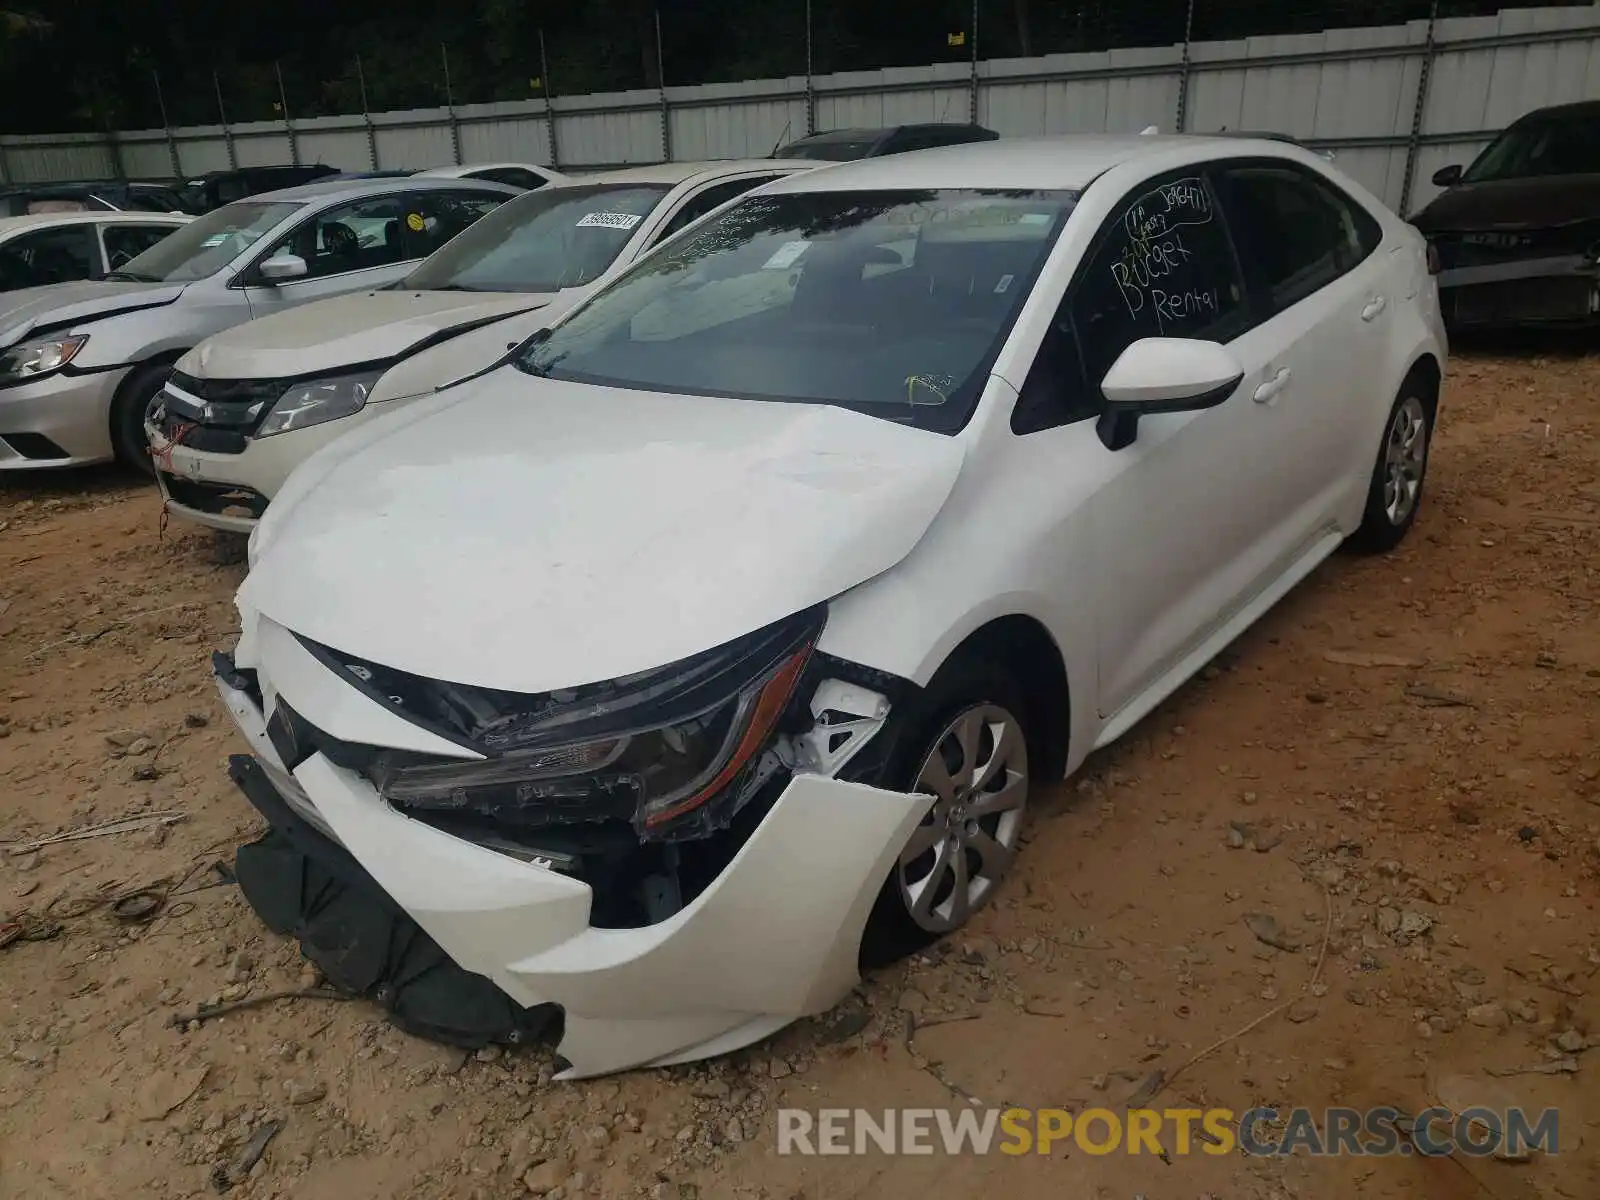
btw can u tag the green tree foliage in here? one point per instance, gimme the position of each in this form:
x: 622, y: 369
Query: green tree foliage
x: 94, y: 64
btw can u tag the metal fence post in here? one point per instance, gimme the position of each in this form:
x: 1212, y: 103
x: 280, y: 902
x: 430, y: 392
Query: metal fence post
x: 549, y: 112
x: 661, y: 82
x: 227, y: 132
x: 166, y: 125
x: 366, y: 115
x: 288, y: 125
x: 1414, y: 143
x: 450, y: 105
x: 1182, y: 124
x: 972, y: 93
x: 811, y: 90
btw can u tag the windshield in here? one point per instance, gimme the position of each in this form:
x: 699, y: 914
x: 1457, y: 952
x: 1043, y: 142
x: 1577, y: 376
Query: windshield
x: 1556, y: 144
x: 893, y: 303
x: 207, y: 244
x: 557, y: 237
x: 829, y: 151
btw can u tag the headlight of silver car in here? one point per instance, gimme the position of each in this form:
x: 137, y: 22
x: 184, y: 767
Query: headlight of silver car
x: 318, y: 400
x: 675, y: 751
x: 42, y: 357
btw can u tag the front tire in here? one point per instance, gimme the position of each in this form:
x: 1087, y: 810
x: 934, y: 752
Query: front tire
x: 964, y: 741
x: 1394, y: 494
x: 133, y: 404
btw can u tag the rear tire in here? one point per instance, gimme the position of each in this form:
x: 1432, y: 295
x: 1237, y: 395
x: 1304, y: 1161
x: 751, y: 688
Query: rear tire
x: 1394, y: 494
x: 964, y: 739
x: 135, y: 399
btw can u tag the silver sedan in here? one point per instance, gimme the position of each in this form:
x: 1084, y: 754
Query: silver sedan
x: 81, y: 364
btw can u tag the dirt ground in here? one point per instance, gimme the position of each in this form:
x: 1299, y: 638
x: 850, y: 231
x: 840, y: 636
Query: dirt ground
x: 1398, y: 766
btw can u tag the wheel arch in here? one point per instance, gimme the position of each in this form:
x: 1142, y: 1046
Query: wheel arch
x: 161, y: 358
x: 1030, y: 654
x: 1426, y: 371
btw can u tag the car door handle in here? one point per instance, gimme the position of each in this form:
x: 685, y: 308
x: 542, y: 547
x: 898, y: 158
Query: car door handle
x: 1268, y: 391
x: 1374, y: 306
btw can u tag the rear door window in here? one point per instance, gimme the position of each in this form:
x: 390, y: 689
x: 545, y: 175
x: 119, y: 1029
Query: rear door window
x: 1296, y: 232
x: 433, y: 218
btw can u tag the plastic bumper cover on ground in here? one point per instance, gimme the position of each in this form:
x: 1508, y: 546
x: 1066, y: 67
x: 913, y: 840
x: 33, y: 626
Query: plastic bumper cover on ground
x: 774, y: 938
x: 73, y: 411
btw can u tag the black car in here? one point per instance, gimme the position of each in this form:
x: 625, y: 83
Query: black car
x: 90, y: 195
x: 1517, y: 233
x: 217, y: 188
x: 845, y: 145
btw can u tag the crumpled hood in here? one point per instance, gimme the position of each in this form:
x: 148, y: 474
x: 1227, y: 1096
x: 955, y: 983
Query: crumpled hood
x: 1512, y: 204
x: 530, y: 534
x: 467, y: 353
x: 343, y: 331
x: 64, y: 304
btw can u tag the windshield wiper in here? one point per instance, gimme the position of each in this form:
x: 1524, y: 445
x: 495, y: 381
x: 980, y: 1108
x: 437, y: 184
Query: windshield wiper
x: 456, y: 287
x: 130, y: 277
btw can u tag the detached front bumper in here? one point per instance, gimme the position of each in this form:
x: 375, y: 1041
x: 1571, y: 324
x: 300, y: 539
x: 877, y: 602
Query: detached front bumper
x: 62, y: 420
x: 1560, y: 290
x: 773, y: 938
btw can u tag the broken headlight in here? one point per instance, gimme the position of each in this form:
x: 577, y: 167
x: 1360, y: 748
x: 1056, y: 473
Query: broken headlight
x: 675, y: 751
x: 317, y: 401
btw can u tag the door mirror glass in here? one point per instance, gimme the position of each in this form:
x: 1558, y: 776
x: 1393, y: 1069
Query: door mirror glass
x: 283, y: 266
x: 1447, y: 176
x: 1164, y: 375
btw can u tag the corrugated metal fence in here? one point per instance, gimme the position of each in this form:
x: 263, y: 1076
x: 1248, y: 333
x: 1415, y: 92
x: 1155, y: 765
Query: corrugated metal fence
x: 1394, y: 102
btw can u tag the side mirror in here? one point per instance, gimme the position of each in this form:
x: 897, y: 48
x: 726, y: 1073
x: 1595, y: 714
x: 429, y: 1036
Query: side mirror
x: 1447, y: 176
x: 1163, y: 375
x: 283, y: 266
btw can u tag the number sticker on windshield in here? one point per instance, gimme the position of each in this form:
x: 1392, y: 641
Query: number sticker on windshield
x: 605, y: 220
x: 415, y: 222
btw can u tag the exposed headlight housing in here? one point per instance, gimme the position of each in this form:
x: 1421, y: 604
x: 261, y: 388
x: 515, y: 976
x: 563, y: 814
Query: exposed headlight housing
x: 676, y: 751
x: 318, y: 400
x: 27, y: 360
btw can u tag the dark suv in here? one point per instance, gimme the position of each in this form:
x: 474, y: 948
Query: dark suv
x: 217, y: 188
x: 845, y: 145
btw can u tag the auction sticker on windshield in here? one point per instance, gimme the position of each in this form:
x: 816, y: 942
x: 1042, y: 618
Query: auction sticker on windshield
x: 609, y: 220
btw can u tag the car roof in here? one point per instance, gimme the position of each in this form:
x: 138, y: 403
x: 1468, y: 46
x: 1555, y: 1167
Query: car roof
x: 99, y: 217
x: 681, y: 172
x: 1070, y: 162
x: 462, y: 169
x: 1578, y: 108
x: 354, y: 189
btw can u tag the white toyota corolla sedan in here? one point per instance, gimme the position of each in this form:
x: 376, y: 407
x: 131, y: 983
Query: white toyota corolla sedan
x: 715, y: 642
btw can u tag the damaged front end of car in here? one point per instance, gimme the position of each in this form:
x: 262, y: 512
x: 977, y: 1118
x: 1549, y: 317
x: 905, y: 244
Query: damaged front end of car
x: 668, y: 865
x: 1511, y: 277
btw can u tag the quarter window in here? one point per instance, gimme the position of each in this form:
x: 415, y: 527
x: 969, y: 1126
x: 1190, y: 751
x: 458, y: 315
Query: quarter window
x: 1296, y: 233
x: 1162, y: 266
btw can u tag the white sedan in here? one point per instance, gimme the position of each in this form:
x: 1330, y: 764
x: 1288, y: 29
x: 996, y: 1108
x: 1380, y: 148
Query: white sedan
x: 713, y: 644
x: 245, y: 408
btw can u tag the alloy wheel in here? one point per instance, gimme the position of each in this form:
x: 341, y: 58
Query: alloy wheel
x: 954, y: 861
